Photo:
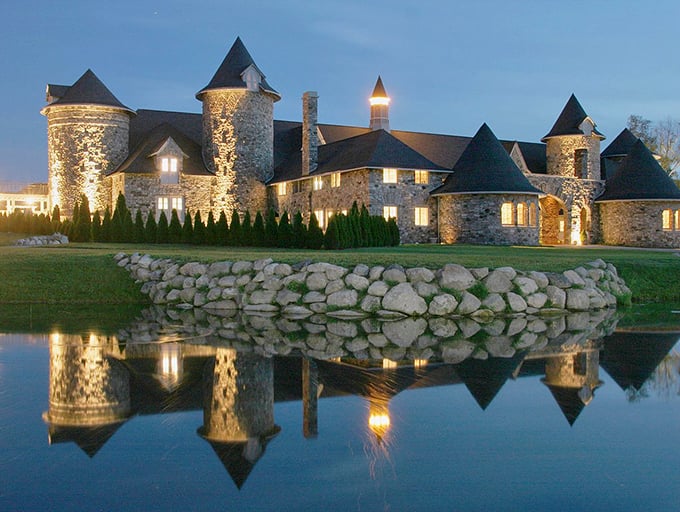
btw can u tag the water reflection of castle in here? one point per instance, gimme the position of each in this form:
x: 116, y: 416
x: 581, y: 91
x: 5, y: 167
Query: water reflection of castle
x: 97, y: 383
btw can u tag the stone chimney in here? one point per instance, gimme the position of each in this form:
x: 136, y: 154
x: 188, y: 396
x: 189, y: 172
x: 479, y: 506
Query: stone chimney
x: 310, y: 137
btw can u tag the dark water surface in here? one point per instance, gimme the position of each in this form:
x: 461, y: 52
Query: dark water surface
x: 175, y: 411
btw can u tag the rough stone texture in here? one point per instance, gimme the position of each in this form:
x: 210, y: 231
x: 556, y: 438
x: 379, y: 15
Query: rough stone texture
x: 468, y: 304
x: 516, y: 302
x: 577, y: 300
x: 455, y: 277
x: 84, y: 144
x: 557, y: 296
x: 378, y: 288
x: 357, y: 282
x: 344, y: 298
x: 638, y: 223
x: 498, y: 282
x: 442, y: 305
x: 494, y: 302
x: 404, y: 299
x: 476, y: 219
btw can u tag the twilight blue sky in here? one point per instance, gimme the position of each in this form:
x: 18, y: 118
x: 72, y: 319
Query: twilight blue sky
x: 448, y: 65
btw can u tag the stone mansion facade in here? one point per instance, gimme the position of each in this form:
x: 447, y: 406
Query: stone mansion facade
x: 441, y: 188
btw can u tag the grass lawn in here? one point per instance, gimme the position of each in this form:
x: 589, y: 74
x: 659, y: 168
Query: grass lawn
x: 86, y: 273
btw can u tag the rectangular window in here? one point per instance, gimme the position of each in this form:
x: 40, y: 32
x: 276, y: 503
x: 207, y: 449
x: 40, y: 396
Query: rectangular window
x: 506, y: 215
x: 173, y: 165
x: 677, y: 220
x: 532, y: 215
x: 335, y: 180
x: 317, y: 182
x: 176, y: 203
x: 281, y: 188
x: 422, y: 178
x: 168, y: 164
x: 389, y: 212
x: 422, y: 215
x: 169, y: 203
x: 521, y: 214
x: 298, y: 186
x: 667, y: 217
x: 581, y: 163
x: 319, y: 217
x: 389, y: 175
x: 162, y: 203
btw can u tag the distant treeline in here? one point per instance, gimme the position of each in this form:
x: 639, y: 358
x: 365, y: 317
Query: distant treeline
x: 355, y: 229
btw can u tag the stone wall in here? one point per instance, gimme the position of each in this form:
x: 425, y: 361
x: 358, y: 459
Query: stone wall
x: 391, y: 292
x: 84, y: 143
x: 637, y: 223
x: 560, y: 156
x: 476, y: 219
x: 238, y: 145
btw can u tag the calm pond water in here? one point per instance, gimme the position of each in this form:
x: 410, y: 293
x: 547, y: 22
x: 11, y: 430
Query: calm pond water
x: 181, y: 411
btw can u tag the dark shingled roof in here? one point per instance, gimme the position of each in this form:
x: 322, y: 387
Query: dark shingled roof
x: 140, y: 160
x: 485, y: 167
x: 569, y: 402
x: 639, y: 177
x: 485, y: 378
x: 375, y: 149
x: 89, y: 90
x: 379, y: 89
x: 189, y: 124
x: 569, y: 120
x: 621, y: 145
x: 228, y: 75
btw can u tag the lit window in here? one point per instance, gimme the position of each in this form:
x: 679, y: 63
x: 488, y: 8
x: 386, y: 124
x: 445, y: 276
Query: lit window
x: 532, y: 215
x: 317, y: 183
x: 176, y: 203
x: 506, y: 214
x: 677, y: 220
x: 335, y: 179
x: 319, y: 216
x: 167, y: 204
x: 422, y: 215
x: 281, y: 188
x: 168, y: 164
x: 389, y: 175
x: 667, y: 217
x: 422, y: 177
x: 522, y: 214
x: 389, y: 212
x: 344, y: 211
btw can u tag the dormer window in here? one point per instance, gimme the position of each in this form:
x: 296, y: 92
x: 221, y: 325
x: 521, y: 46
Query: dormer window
x: 169, y: 160
x: 252, y: 77
x: 168, y: 164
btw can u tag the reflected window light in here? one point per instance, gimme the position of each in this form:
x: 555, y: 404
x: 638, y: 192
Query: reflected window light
x: 419, y: 363
x: 388, y: 364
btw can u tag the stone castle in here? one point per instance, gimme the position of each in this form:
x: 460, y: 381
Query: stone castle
x: 440, y: 188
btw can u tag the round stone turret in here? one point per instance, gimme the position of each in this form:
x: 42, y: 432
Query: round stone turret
x: 573, y: 144
x: 87, y: 137
x: 238, y: 132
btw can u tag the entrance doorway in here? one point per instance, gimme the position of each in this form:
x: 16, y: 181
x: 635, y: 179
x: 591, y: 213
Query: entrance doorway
x: 554, y: 221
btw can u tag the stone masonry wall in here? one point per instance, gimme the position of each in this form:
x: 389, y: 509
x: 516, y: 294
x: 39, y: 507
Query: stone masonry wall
x: 84, y: 143
x: 637, y: 223
x: 560, y: 156
x: 389, y: 292
x: 476, y: 219
x: 238, y: 142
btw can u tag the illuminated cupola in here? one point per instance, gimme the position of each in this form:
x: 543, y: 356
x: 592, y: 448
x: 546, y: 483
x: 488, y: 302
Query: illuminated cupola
x: 380, y: 108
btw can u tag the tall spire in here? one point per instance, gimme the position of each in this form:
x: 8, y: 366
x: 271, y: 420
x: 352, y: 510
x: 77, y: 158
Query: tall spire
x: 380, y: 107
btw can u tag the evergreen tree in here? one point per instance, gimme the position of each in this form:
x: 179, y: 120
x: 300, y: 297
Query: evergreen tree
x: 234, y: 230
x: 151, y: 228
x: 258, y: 230
x: 84, y: 222
x: 119, y: 220
x: 139, y: 232
x: 56, y: 218
x: 393, y: 232
x: 96, y: 227
x: 128, y: 227
x: 199, y: 230
x: 246, y: 231
x: 210, y: 230
x: 331, y: 239
x: 299, y: 231
x: 175, y: 228
x: 314, y: 233
x: 271, y: 229
x: 285, y: 234
x: 162, y: 230
x: 365, y: 224
x: 222, y: 229
x: 187, y: 229
x: 73, y: 235
x: 105, y: 234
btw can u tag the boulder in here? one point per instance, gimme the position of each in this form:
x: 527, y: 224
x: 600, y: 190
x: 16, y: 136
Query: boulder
x: 441, y: 305
x: 456, y: 277
x: 404, y: 299
x: 498, y: 282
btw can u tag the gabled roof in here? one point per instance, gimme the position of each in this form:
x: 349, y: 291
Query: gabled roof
x: 569, y: 120
x: 375, y: 149
x: 141, y: 161
x: 621, y: 145
x: 229, y: 74
x: 639, y: 177
x: 485, y: 167
x: 379, y: 90
x: 88, y: 90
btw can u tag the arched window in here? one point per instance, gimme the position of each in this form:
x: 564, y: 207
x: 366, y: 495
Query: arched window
x: 677, y: 220
x: 522, y: 214
x: 667, y: 220
x: 506, y: 214
x: 532, y: 215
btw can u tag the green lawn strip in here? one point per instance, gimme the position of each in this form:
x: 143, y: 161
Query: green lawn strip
x: 87, y: 274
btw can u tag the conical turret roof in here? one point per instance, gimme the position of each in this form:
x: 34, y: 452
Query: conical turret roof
x: 569, y: 120
x: 639, y: 177
x: 621, y: 145
x: 379, y: 89
x: 485, y: 378
x: 89, y: 90
x: 485, y: 167
x: 230, y: 73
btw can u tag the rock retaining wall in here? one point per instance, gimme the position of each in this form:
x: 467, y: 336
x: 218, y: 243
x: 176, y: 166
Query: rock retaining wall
x: 55, y: 239
x: 388, y: 292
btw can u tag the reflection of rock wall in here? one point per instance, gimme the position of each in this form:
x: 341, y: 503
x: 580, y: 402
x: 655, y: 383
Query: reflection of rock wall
x: 305, y: 289
x: 322, y: 337
x: 87, y: 388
